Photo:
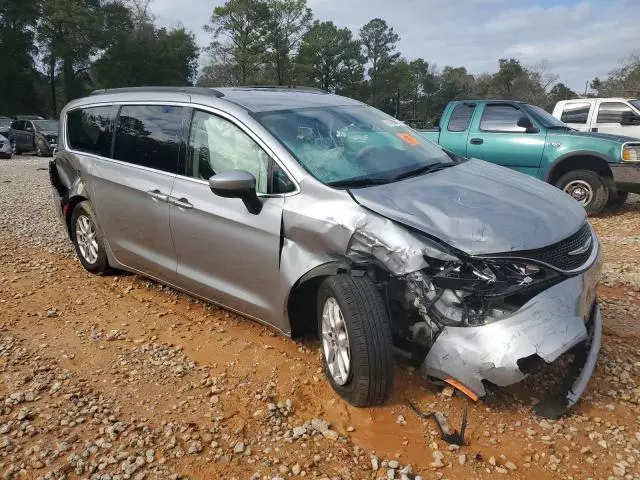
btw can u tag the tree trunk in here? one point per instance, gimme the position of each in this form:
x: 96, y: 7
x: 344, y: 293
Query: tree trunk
x: 69, y: 79
x: 374, y: 83
x: 52, y: 83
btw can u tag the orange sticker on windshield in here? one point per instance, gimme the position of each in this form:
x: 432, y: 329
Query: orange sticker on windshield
x: 407, y: 137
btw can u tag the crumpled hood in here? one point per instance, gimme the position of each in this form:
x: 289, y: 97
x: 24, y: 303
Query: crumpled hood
x: 478, y: 207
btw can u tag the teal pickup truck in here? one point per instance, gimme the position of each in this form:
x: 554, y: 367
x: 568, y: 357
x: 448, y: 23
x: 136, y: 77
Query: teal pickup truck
x: 594, y: 168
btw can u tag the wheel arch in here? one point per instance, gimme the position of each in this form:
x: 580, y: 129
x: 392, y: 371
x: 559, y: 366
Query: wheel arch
x: 581, y: 160
x: 301, y: 302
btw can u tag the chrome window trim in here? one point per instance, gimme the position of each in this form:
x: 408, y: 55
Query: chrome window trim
x: 195, y: 106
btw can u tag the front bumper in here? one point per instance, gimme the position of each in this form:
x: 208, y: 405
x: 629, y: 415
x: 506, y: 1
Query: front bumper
x: 562, y: 317
x: 626, y: 176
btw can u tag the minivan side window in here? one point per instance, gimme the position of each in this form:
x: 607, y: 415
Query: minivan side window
x: 575, y: 113
x: 91, y: 129
x: 149, y: 135
x: 461, y: 117
x: 217, y: 145
x: 501, y: 118
x: 611, y: 112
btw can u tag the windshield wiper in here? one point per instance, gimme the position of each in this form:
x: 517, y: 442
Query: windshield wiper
x: 359, y: 182
x: 421, y: 170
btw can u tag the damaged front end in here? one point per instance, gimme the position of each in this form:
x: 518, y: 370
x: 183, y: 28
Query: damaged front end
x: 478, y: 322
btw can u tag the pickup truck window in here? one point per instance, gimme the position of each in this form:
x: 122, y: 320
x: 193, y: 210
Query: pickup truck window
x: 575, y: 113
x: 461, y: 117
x: 611, y: 112
x: 501, y: 118
x: 635, y: 103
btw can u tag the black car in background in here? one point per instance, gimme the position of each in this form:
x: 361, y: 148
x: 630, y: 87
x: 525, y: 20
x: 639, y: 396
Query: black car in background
x: 38, y: 135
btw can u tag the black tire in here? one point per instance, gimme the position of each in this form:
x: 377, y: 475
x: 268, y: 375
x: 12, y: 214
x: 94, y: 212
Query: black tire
x: 618, y: 198
x: 83, y: 210
x: 371, y: 372
x: 599, y: 191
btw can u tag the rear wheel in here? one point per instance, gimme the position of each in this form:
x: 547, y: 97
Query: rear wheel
x: 586, y: 187
x: 87, y: 239
x: 355, y: 331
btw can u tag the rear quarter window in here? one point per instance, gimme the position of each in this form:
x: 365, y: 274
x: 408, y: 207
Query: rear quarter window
x: 91, y: 129
x: 575, y: 113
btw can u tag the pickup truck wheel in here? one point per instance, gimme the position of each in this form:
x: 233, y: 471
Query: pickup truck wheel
x: 618, y: 198
x: 355, y: 331
x: 586, y: 187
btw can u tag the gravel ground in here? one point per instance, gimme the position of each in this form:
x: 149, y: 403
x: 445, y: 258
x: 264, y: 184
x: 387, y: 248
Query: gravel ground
x: 117, y: 377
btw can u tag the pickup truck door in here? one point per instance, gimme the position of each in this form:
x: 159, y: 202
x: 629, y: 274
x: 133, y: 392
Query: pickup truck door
x: 454, y: 136
x: 617, y: 118
x: 497, y: 138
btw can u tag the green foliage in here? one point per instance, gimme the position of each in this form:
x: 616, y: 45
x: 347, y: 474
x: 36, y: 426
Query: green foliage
x: 379, y: 45
x: 52, y: 51
x: 287, y: 22
x: 148, y: 56
x: 18, y: 77
x: 330, y: 58
x: 623, y: 81
x: 237, y: 49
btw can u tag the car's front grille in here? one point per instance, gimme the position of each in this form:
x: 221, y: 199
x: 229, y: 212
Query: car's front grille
x: 568, y: 254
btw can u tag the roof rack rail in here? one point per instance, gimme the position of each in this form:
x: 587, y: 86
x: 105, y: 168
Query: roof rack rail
x: 302, y: 88
x: 199, y: 90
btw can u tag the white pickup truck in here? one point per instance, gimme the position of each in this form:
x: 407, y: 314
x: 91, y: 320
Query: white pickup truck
x: 617, y: 116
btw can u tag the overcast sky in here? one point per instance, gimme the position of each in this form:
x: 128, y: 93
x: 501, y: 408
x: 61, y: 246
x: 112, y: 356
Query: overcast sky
x: 579, y: 39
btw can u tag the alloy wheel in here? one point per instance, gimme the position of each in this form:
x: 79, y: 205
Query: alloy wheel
x: 86, y: 239
x: 335, y: 341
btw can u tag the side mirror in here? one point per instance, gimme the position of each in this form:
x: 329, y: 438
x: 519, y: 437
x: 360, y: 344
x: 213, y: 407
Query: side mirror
x: 629, y: 118
x: 237, y: 184
x: 526, y: 123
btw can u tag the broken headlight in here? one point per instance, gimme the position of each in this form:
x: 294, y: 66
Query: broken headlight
x: 473, y: 293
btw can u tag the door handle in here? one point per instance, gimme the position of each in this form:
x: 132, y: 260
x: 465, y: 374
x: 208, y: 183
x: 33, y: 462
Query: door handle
x: 476, y: 141
x: 180, y: 202
x: 158, y: 195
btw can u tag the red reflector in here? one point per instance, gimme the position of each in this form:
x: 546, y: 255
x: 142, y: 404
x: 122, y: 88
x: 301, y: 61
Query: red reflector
x: 65, y: 210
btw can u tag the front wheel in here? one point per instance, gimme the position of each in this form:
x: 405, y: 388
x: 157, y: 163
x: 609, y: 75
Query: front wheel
x: 586, y: 187
x: 355, y: 331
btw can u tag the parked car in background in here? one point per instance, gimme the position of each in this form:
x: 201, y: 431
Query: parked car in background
x: 313, y: 212
x: 39, y: 136
x: 594, y: 168
x: 618, y: 116
x: 5, y: 126
x: 5, y: 147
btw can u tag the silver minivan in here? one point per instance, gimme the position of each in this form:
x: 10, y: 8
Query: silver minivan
x: 311, y: 212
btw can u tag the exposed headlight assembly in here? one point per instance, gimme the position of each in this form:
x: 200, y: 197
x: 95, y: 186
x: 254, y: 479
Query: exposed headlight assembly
x: 473, y: 293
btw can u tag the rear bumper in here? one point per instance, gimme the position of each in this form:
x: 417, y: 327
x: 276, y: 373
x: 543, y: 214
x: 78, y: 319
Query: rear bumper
x: 626, y: 176
x: 563, y: 317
